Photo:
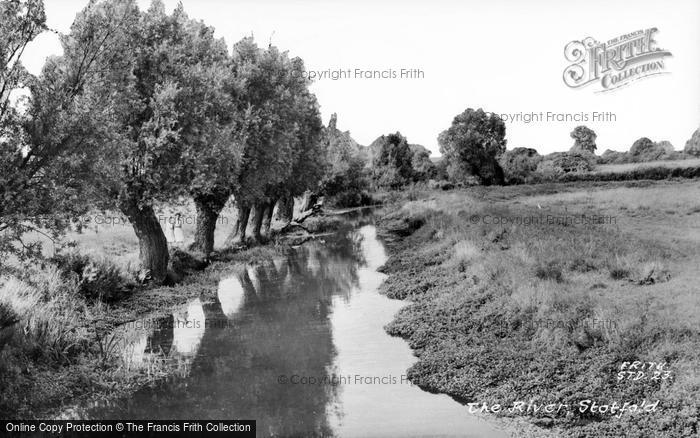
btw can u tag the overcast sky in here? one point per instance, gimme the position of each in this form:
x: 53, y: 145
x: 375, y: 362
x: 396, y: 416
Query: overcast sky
x: 506, y: 56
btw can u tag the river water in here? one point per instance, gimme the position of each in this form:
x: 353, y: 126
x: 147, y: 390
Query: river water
x: 298, y: 345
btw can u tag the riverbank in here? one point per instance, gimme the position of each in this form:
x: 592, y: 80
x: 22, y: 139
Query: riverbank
x: 67, y: 349
x: 74, y: 356
x: 541, y: 299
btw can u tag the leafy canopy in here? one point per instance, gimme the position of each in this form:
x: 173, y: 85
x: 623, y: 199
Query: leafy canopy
x: 472, y: 144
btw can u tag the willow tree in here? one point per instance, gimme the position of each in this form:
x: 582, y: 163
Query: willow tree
x: 280, y: 120
x: 472, y: 145
x: 159, y: 95
x: 215, y: 134
x: 309, y: 161
x: 48, y: 137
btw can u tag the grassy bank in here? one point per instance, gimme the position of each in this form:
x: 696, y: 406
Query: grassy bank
x: 542, y: 293
x: 62, y: 337
x: 64, y: 322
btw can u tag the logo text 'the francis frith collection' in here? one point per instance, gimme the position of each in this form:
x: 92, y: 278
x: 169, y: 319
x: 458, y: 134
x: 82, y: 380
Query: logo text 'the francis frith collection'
x: 614, y: 63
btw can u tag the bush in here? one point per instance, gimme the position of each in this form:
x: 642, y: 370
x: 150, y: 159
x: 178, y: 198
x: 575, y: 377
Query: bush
x: 182, y: 262
x: 550, y: 271
x: 649, y: 173
x: 442, y: 185
x: 644, y: 150
x: 352, y: 198
x: 556, y: 165
x: 324, y: 224
x: 347, y: 177
x: 574, y: 162
x: 96, y: 279
x: 520, y: 164
x: 614, y: 157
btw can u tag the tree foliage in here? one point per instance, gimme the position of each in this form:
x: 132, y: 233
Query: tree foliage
x: 423, y: 167
x: 346, y: 178
x: 392, y: 165
x: 169, y: 115
x: 692, y: 146
x: 48, y: 138
x: 472, y: 145
x: 645, y: 149
x: 520, y: 164
x: 584, y: 140
x: 559, y: 163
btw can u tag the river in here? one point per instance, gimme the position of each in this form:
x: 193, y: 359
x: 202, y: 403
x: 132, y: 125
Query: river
x: 298, y: 345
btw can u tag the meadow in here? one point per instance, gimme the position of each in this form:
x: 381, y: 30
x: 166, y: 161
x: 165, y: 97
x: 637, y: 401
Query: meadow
x: 546, y: 293
x: 620, y: 168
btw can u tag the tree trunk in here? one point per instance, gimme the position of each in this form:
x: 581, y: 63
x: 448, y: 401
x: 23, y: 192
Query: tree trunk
x: 208, y: 209
x: 267, y: 218
x: 238, y: 233
x: 310, y: 199
x: 285, y: 209
x: 258, y: 214
x: 153, y: 247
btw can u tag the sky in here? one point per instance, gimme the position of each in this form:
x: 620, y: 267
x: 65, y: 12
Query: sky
x: 505, y: 56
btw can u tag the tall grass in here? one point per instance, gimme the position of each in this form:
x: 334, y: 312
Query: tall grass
x: 51, y: 314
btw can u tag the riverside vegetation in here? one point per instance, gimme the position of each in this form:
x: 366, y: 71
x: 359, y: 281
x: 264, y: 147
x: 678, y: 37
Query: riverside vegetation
x: 542, y: 293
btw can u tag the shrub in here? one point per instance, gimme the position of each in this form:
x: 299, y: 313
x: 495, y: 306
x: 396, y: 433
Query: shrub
x: 520, y: 164
x: 574, y: 162
x: 614, y: 157
x: 182, y: 262
x: 349, y: 176
x: 550, y: 271
x: 646, y: 150
x: 556, y: 165
x: 353, y: 198
x: 324, y: 224
x: 96, y: 279
x: 441, y: 185
x: 666, y: 146
x: 653, y: 273
x: 619, y: 273
x: 650, y: 173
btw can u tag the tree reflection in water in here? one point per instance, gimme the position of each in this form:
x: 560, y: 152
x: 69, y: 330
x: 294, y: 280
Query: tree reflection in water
x: 267, y: 321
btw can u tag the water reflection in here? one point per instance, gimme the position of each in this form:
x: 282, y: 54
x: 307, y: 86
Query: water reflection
x: 171, y: 341
x: 230, y: 295
x: 311, y: 314
x: 188, y: 329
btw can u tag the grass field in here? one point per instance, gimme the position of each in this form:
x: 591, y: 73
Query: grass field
x: 541, y: 293
x: 109, y: 234
x: 620, y: 168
